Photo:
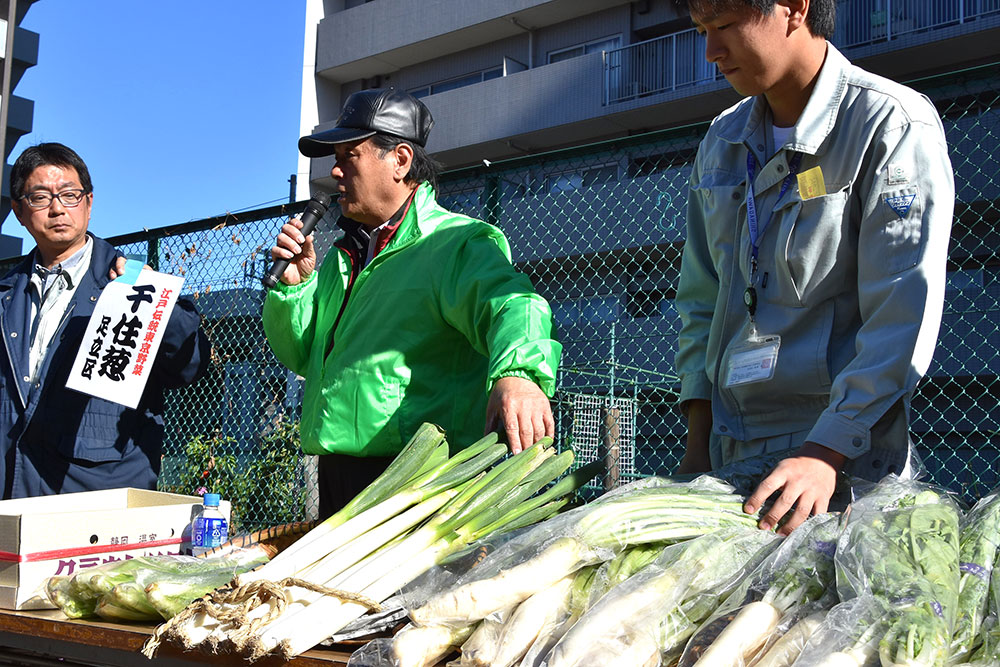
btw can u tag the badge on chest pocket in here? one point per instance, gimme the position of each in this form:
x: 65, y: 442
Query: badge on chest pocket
x: 754, y: 360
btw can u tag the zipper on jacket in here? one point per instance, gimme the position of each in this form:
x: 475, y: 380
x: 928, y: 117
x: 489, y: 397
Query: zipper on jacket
x: 355, y: 264
x: 54, y: 345
x: 10, y: 361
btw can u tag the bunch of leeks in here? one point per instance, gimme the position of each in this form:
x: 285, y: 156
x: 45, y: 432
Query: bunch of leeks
x: 148, y: 588
x: 425, y: 507
x: 655, y: 611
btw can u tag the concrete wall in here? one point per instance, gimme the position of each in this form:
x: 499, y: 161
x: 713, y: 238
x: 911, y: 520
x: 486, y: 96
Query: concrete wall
x: 386, y: 30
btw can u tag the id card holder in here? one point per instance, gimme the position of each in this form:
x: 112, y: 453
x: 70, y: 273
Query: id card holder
x: 752, y: 361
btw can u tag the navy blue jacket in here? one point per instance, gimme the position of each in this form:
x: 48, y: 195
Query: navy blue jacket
x: 56, y: 440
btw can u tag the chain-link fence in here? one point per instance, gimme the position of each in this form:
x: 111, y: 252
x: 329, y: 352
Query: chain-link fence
x: 599, y: 229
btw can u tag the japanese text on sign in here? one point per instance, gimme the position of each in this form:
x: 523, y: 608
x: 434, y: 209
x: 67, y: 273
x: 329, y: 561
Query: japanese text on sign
x: 124, y: 334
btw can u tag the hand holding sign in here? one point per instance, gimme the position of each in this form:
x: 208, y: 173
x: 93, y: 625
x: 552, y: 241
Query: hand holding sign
x: 119, y: 268
x: 124, y: 334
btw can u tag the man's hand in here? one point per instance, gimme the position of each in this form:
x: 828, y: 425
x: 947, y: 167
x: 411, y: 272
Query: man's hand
x: 297, y: 249
x: 522, y: 409
x: 119, y: 268
x: 806, y: 480
x: 696, y: 457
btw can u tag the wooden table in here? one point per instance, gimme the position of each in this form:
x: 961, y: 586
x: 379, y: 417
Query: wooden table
x: 37, y: 638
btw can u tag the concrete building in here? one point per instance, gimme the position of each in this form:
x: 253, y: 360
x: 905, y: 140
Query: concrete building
x: 506, y: 78
x: 23, y: 49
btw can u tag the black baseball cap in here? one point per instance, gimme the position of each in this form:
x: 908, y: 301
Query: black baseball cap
x: 384, y: 110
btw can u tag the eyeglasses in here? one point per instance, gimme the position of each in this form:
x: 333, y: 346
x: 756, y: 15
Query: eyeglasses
x: 43, y: 199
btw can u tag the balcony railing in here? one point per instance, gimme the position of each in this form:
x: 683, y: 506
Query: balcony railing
x: 656, y: 66
x: 863, y: 22
x: 677, y: 60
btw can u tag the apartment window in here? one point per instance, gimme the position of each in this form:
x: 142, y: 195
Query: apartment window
x: 514, y: 189
x: 668, y: 311
x: 599, y: 309
x: 962, y: 289
x: 584, y: 178
x: 964, y: 281
x: 565, y: 313
x: 590, y: 310
x: 644, y: 304
x: 564, y: 182
x: 658, y: 163
x: 604, y: 44
x: 457, y: 82
x: 460, y: 82
x: 464, y: 202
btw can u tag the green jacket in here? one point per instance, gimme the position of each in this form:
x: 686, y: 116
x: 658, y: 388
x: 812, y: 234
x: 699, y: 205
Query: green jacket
x: 427, y: 328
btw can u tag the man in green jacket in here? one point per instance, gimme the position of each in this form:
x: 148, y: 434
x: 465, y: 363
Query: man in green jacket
x: 416, y: 314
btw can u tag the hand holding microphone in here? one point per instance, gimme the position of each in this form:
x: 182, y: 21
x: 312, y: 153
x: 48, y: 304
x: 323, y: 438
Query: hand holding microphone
x: 293, y: 255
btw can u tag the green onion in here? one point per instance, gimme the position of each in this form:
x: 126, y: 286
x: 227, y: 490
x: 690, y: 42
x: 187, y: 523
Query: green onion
x: 387, y: 539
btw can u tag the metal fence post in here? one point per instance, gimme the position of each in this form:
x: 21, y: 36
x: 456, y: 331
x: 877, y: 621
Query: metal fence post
x: 491, y: 205
x: 153, y: 253
x: 611, y: 444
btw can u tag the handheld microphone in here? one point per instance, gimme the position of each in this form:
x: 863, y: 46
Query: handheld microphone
x: 314, y: 212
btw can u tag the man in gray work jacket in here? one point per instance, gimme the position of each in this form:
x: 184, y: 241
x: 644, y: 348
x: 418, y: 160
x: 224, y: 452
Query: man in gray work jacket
x: 811, y: 301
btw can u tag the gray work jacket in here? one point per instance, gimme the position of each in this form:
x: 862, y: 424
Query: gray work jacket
x: 852, y: 280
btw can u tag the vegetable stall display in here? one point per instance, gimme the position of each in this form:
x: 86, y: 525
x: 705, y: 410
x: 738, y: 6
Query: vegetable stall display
x: 887, y: 583
x: 482, y: 553
x: 553, y: 565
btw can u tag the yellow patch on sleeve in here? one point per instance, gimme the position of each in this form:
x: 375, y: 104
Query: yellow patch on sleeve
x: 811, y: 183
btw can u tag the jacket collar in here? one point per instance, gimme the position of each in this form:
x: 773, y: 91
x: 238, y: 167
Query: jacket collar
x: 416, y: 224
x: 413, y: 225
x: 103, y: 257
x: 18, y: 273
x: 818, y: 118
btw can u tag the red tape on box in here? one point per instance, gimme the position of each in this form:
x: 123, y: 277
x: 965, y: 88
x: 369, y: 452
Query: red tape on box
x: 6, y: 556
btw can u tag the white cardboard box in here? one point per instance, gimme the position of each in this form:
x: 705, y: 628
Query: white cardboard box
x: 62, y: 534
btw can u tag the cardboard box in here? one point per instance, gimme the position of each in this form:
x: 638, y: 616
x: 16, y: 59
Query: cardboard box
x: 62, y: 534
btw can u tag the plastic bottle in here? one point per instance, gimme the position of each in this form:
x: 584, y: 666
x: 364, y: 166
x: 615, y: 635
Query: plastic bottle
x: 208, y: 529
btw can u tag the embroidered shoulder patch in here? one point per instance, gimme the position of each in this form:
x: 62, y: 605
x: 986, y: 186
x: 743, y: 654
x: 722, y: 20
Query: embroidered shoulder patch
x: 900, y: 204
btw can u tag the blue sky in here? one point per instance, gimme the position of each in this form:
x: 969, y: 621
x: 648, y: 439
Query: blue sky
x: 181, y: 110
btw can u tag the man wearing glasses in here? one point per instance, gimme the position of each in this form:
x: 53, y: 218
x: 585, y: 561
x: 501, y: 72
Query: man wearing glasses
x: 53, y: 439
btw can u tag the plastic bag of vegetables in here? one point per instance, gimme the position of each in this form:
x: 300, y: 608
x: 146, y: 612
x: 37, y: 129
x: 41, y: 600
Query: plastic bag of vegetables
x: 980, y: 541
x: 848, y: 636
x: 653, y: 613
x: 796, y: 580
x: 525, y: 634
x: 585, y: 536
x: 988, y: 650
x: 898, y: 555
x: 507, y: 549
x: 148, y: 588
x: 412, y: 646
x: 581, y: 598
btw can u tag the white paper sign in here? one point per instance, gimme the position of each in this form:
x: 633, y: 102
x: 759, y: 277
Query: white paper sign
x: 124, y: 334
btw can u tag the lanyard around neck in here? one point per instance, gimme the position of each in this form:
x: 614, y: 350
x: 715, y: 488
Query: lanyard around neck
x: 750, y: 295
x: 756, y: 230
